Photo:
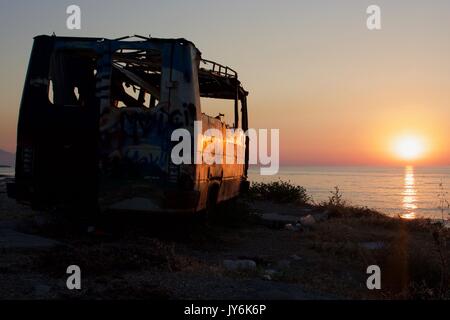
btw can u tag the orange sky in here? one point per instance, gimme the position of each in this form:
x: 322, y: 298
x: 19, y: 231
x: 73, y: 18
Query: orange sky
x: 339, y: 94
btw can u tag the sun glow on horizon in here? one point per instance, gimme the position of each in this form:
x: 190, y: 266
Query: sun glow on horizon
x: 409, y: 147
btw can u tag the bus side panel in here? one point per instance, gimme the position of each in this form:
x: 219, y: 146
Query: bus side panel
x: 228, y: 175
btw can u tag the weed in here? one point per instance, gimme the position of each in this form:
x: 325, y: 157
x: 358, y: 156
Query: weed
x: 279, y: 191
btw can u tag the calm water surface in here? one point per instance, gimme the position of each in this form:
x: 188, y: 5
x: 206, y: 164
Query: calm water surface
x: 409, y: 191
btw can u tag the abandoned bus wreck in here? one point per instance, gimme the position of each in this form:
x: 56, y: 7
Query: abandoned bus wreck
x: 96, y: 120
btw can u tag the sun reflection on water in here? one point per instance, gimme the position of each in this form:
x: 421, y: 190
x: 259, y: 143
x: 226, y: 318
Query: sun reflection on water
x: 409, y: 194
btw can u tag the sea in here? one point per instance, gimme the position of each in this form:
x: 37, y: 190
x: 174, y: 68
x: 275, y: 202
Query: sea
x: 6, y: 172
x: 410, y: 192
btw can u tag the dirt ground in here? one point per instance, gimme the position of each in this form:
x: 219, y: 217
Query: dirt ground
x: 139, y: 257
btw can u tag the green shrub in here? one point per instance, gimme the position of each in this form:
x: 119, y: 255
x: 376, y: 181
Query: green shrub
x: 279, y: 191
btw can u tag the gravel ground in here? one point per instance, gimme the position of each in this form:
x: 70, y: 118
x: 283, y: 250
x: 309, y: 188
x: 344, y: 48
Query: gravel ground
x: 131, y: 257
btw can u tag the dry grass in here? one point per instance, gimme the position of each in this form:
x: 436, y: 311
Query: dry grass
x: 413, y: 259
x: 413, y: 256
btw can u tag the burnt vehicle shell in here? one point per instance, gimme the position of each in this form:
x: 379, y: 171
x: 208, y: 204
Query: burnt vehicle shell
x: 96, y: 119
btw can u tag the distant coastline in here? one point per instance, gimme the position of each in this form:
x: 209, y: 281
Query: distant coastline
x: 7, y: 159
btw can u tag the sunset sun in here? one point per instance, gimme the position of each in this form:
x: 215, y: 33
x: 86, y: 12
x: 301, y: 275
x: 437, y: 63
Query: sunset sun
x: 409, y: 147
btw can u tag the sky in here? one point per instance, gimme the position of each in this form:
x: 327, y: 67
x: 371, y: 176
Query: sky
x: 339, y: 93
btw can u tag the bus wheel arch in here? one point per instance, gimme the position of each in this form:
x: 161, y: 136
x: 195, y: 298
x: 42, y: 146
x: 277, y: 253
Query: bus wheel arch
x: 212, y: 197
